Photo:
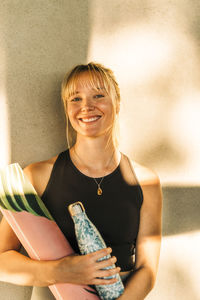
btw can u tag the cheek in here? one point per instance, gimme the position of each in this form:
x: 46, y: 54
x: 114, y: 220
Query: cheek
x: 106, y: 107
x: 109, y: 110
x: 71, y: 112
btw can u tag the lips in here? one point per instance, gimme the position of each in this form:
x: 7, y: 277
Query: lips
x: 90, y: 119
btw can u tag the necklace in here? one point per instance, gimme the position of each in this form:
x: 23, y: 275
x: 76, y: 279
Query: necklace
x: 99, y: 189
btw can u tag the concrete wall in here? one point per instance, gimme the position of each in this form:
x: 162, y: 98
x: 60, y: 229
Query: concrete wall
x: 179, y: 261
x: 153, y: 48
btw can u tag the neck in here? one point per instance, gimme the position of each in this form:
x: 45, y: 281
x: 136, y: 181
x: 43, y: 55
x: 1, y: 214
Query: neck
x: 94, y: 155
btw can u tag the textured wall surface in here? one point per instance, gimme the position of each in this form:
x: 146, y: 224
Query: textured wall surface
x: 179, y: 260
x: 39, y: 43
x: 153, y: 48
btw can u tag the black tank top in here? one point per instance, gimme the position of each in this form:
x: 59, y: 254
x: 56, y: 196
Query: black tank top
x: 116, y: 213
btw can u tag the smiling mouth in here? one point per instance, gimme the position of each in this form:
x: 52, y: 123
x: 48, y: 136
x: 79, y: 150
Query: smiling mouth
x: 90, y: 120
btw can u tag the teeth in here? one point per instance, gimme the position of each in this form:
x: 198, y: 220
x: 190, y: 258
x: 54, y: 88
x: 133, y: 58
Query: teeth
x: 90, y: 119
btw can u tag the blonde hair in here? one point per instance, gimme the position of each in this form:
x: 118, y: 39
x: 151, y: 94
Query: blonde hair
x: 98, y: 76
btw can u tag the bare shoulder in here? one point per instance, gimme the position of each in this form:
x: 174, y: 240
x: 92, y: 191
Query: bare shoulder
x: 39, y: 173
x: 145, y: 175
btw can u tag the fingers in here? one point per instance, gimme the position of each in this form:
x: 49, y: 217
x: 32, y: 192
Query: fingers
x: 100, y: 254
x: 87, y: 269
x: 108, y: 273
x: 101, y: 281
x: 106, y: 263
x: 106, y: 269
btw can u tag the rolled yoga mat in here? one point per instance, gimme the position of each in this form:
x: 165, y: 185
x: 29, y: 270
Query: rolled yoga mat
x: 35, y: 228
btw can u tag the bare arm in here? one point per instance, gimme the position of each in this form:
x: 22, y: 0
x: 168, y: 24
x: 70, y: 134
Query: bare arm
x: 21, y: 270
x: 15, y: 267
x: 148, y: 243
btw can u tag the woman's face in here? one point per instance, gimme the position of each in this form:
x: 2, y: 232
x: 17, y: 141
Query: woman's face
x: 90, y: 111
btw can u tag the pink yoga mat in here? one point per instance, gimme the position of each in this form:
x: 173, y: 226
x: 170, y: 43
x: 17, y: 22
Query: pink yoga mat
x: 36, y: 229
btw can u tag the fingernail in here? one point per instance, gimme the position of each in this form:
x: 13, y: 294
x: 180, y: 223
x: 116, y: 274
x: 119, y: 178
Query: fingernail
x: 109, y: 249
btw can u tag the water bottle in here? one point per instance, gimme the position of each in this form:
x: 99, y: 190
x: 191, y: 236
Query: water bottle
x: 90, y: 240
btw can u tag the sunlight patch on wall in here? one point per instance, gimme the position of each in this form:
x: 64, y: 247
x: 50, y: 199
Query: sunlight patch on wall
x: 178, y: 268
x: 184, y: 131
x: 135, y: 53
x: 160, y: 92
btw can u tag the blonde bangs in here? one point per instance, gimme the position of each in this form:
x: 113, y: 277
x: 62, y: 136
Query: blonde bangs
x: 96, y: 79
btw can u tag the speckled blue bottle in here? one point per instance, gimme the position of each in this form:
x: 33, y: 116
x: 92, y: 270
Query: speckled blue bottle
x: 90, y: 240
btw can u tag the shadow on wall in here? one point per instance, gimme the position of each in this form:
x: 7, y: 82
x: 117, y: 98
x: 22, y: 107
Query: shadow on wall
x: 181, y: 208
x: 43, y: 40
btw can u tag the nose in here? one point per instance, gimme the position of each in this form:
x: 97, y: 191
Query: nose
x: 87, y: 105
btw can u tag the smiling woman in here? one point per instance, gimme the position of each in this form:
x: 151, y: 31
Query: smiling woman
x: 93, y: 86
x: 122, y: 198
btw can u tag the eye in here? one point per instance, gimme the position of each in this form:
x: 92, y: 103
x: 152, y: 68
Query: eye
x: 99, y: 96
x: 75, y: 99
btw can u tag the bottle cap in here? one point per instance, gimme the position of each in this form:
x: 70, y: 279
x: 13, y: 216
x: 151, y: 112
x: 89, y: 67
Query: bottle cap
x: 76, y: 208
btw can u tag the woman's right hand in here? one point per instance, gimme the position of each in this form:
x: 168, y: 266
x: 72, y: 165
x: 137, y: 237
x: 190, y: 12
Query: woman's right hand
x: 85, y: 269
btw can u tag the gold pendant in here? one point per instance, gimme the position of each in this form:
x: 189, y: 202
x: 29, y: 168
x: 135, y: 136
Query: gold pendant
x: 99, y: 191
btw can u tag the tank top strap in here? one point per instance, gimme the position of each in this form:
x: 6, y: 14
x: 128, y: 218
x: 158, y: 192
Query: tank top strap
x: 60, y: 162
x: 58, y: 168
x: 127, y: 170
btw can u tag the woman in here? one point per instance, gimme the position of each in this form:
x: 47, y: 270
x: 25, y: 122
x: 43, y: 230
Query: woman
x: 122, y: 198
